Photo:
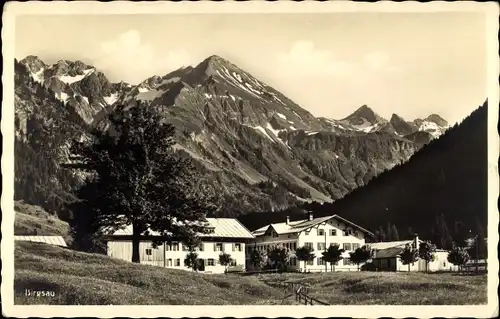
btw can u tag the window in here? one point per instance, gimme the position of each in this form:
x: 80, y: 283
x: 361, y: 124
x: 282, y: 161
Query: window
x: 178, y: 262
x: 275, y: 235
x: 293, y: 261
x: 210, y: 262
x: 173, y: 247
x: 149, y: 251
x: 347, y: 246
x: 347, y: 261
x: 355, y: 246
x: 218, y: 247
x: 333, y: 232
x: 210, y: 230
x: 321, y: 246
x: 321, y: 262
x: 321, y: 232
x: 290, y: 236
x: 232, y: 262
x: 201, y: 247
x: 169, y: 262
x: 310, y: 262
x: 444, y: 263
x: 310, y: 245
x: 333, y: 244
x: 308, y: 231
x: 237, y: 247
x: 294, y: 246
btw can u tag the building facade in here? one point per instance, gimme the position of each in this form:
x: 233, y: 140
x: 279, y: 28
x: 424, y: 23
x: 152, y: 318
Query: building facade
x: 318, y: 233
x: 386, y: 257
x: 225, y: 235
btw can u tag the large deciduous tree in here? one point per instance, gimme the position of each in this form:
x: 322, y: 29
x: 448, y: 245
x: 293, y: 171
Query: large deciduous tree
x: 135, y: 178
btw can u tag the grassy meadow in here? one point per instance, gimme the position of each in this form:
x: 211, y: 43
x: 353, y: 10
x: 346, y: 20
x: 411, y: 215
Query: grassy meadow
x: 392, y: 288
x: 91, y: 279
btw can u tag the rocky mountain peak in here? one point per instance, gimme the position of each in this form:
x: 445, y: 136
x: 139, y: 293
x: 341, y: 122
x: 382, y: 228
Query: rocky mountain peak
x: 435, y: 118
x: 364, y: 112
x: 396, y: 118
x: 33, y: 63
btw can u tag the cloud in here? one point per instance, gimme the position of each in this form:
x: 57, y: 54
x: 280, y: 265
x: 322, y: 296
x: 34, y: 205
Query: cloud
x: 136, y: 60
x: 304, y: 58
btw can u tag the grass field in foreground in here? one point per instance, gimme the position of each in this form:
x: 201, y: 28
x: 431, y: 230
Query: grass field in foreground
x: 392, y: 288
x: 81, y: 278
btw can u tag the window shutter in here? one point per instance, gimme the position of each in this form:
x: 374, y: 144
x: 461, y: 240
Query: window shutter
x: 234, y: 248
x: 215, y: 246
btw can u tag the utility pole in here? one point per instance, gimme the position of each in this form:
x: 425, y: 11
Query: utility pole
x: 326, y: 266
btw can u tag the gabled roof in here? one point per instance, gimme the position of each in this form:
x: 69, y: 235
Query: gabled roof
x: 301, y: 225
x: 223, y: 227
x: 390, y: 244
x: 52, y: 240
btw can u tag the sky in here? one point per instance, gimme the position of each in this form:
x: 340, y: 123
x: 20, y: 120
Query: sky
x: 412, y: 64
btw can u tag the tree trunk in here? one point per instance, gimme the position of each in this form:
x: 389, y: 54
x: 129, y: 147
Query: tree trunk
x: 135, y: 248
x: 408, y: 268
x: 136, y: 239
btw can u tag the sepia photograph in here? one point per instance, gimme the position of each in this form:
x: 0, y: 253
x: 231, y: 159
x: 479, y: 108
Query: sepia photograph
x: 238, y: 156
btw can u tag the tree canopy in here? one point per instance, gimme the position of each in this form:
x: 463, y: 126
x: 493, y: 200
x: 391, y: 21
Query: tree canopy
x: 135, y: 178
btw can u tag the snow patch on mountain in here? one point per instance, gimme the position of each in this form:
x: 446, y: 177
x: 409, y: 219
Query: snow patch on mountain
x: 63, y: 97
x: 432, y: 128
x: 38, y: 76
x: 263, y: 131
x: 281, y: 115
x: 72, y: 79
x: 148, y: 95
x: 111, y: 99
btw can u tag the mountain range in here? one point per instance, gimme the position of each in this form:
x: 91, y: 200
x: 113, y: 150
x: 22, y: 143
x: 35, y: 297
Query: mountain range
x: 257, y: 148
x: 444, y: 184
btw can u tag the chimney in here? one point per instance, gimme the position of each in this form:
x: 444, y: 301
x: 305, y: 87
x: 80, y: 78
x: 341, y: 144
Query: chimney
x: 311, y: 216
x: 415, y: 241
x: 287, y: 220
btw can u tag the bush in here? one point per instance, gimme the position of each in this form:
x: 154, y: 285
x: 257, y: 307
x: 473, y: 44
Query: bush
x: 368, y: 267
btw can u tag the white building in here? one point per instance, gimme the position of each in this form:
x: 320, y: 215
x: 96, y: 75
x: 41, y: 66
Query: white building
x: 319, y: 233
x: 386, y: 257
x: 225, y: 235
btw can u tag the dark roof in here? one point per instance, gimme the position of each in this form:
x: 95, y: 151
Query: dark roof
x: 388, y: 253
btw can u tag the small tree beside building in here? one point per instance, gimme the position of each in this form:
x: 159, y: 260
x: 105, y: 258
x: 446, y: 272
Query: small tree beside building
x: 409, y: 256
x: 360, y: 255
x: 191, y: 261
x: 225, y: 260
x: 426, y: 251
x: 278, y: 256
x: 458, y: 256
x: 332, y: 255
x: 305, y: 254
x: 258, y: 258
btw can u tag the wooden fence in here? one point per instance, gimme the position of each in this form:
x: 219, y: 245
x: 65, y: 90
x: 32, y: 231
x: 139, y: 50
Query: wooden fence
x: 301, y: 292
